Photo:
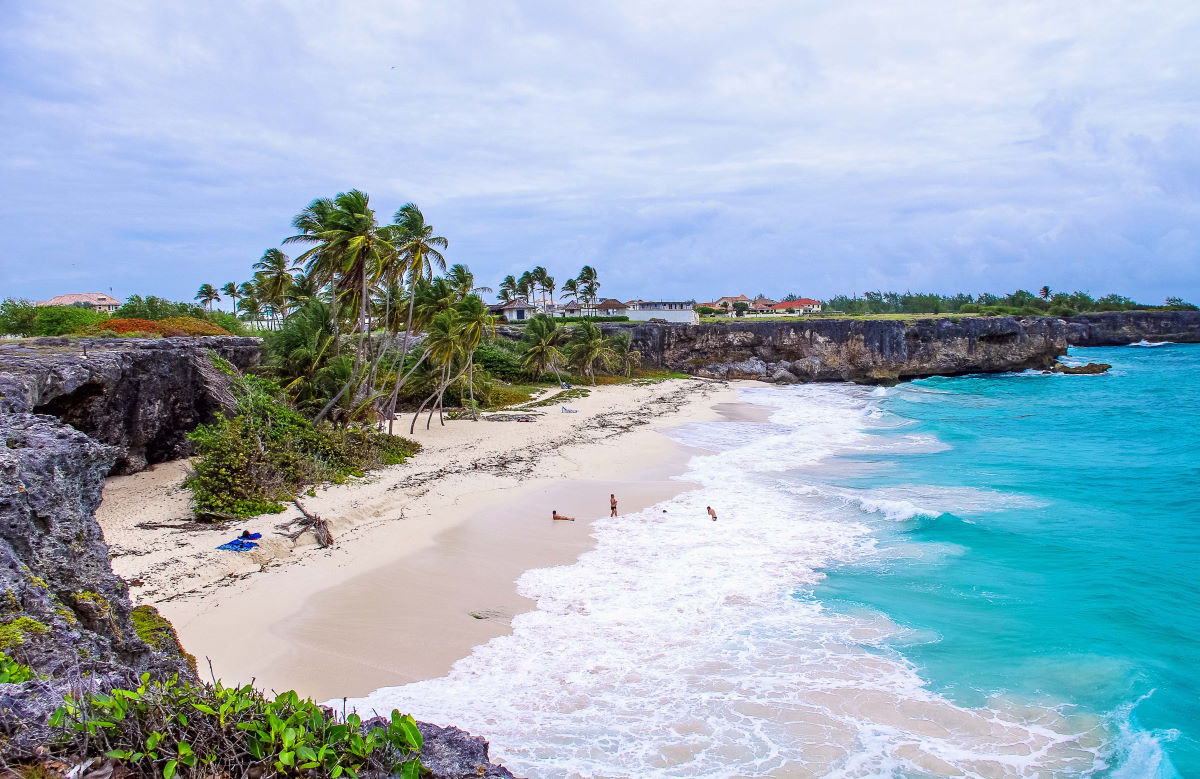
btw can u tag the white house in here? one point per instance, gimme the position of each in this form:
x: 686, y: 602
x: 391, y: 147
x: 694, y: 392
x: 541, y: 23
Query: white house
x: 517, y: 310
x: 669, y: 310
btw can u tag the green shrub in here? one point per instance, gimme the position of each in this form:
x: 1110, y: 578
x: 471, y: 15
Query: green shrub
x: 969, y: 308
x: 65, y: 320
x: 499, y: 361
x: 17, y: 317
x: 228, y: 322
x: 267, y: 453
x: 163, y: 728
x: 12, y: 672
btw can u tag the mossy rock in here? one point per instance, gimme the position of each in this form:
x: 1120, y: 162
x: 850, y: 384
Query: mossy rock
x: 14, y: 632
x: 159, y: 634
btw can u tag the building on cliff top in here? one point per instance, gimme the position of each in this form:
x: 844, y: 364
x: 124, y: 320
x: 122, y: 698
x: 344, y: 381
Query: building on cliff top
x: 97, y: 301
x: 799, y: 306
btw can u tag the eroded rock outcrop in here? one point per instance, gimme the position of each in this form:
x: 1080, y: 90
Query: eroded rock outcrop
x: 142, y: 396
x: 64, y: 612
x: 868, y: 351
x: 1118, y: 328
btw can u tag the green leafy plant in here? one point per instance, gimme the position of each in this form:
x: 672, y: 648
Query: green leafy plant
x: 12, y: 672
x: 171, y: 727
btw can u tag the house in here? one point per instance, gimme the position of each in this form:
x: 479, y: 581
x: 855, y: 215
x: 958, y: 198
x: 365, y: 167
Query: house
x: 611, y: 307
x: 729, y: 303
x: 576, y: 308
x: 762, y: 305
x: 799, y: 306
x: 518, y: 310
x: 670, y: 310
x: 97, y: 301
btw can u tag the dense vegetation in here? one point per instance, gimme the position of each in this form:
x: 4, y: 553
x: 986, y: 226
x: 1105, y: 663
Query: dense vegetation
x: 141, y: 317
x: 165, y: 728
x: 266, y: 452
x: 1019, y: 303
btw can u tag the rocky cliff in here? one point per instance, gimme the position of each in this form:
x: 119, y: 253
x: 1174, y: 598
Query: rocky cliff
x: 868, y: 351
x: 141, y: 396
x: 1125, y: 327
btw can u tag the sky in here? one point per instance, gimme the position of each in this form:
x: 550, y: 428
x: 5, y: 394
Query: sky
x: 687, y: 149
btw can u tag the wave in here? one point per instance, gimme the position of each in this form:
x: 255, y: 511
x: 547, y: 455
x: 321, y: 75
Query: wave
x: 676, y: 646
x: 1151, y: 344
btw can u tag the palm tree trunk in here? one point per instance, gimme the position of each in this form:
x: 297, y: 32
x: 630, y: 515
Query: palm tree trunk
x: 412, y: 299
x: 440, y: 392
x: 471, y: 386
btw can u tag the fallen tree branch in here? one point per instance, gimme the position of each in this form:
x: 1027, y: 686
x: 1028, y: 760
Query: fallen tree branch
x: 318, y: 526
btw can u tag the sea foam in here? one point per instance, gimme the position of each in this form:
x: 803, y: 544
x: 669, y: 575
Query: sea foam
x: 679, y: 647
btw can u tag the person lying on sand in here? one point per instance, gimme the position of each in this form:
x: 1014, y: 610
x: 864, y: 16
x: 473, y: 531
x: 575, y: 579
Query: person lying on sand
x: 556, y: 515
x: 712, y: 513
x: 612, y: 502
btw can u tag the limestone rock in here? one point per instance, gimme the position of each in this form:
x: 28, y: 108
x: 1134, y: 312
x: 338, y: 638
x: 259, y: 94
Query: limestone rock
x: 1089, y: 369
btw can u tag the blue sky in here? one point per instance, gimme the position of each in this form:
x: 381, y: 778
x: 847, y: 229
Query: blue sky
x: 685, y: 149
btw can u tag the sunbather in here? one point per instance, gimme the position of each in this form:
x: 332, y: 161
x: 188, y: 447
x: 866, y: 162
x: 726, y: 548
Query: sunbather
x: 556, y: 515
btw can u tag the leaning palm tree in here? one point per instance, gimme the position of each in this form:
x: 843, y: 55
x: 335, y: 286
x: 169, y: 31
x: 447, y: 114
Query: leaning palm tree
x: 526, y: 285
x: 626, y: 355
x: 508, y: 289
x: 273, y: 274
x: 415, y: 241
x: 542, y: 340
x: 463, y: 281
x: 477, y: 326
x: 1044, y: 292
x: 207, y: 295
x: 589, y: 283
x: 230, y: 291
x: 537, y: 278
x: 570, y: 289
x: 348, y: 250
x: 588, y: 348
x: 444, y: 345
x: 548, y: 287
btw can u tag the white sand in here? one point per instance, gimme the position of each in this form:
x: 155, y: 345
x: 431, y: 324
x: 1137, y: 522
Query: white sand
x: 426, y: 553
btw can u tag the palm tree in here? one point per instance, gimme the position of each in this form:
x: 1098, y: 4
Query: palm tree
x: 350, y: 251
x: 526, y: 285
x: 273, y: 274
x: 230, y: 291
x: 477, y: 326
x: 589, y: 283
x: 538, y: 278
x: 508, y: 289
x: 542, y: 338
x: 588, y: 348
x: 443, y: 344
x: 251, y: 310
x: 548, y: 286
x: 463, y: 281
x: 416, y: 242
x: 207, y: 295
x: 302, y: 290
x: 570, y: 289
x: 1044, y: 292
x: 626, y: 355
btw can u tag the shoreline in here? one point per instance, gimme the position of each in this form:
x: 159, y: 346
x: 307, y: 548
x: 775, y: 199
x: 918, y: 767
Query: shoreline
x: 440, y: 540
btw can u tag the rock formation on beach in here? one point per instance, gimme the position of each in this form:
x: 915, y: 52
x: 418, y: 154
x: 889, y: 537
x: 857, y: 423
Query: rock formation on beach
x: 142, y: 396
x: 64, y: 613
x: 868, y: 351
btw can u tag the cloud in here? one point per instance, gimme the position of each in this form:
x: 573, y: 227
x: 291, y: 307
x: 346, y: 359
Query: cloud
x: 685, y: 149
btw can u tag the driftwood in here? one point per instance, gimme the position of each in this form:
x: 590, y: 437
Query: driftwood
x: 311, y: 522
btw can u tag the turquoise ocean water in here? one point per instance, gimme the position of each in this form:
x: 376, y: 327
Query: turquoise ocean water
x: 1078, y: 586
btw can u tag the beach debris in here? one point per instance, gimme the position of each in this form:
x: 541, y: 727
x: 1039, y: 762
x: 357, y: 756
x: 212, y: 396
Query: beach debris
x: 309, y: 521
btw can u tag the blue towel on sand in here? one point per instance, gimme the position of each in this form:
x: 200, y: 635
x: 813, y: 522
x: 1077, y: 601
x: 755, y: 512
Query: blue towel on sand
x: 240, y: 544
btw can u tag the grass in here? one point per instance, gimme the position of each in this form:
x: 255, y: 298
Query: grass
x: 559, y: 397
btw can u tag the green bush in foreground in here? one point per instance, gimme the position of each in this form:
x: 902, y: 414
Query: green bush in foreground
x: 12, y: 672
x: 267, y: 453
x: 170, y: 727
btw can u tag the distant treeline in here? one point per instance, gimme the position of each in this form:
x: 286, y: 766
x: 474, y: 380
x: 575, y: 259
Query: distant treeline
x: 1021, y: 302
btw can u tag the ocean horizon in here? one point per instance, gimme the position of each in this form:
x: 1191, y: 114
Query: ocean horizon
x: 976, y: 575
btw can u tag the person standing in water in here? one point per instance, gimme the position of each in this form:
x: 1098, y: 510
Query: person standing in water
x: 612, y: 503
x: 712, y: 513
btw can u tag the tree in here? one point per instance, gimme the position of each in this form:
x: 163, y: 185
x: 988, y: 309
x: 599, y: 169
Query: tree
x: 570, y: 289
x: 230, y: 290
x: 741, y: 307
x: 526, y: 285
x: 477, y: 326
x: 1044, y: 292
x: 463, y: 281
x: 17, y: 317
x: 587, y: 348
x: 542, y: 340
x: 443, y: 344
x: 421, y: 250
x: 273, y: 279
x: 207, y: 295
x: 588, y: 283
x: 508, y: 289
x: 626, y: 355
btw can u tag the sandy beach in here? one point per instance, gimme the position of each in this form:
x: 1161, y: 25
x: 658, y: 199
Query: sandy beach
x: 426, y: 553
